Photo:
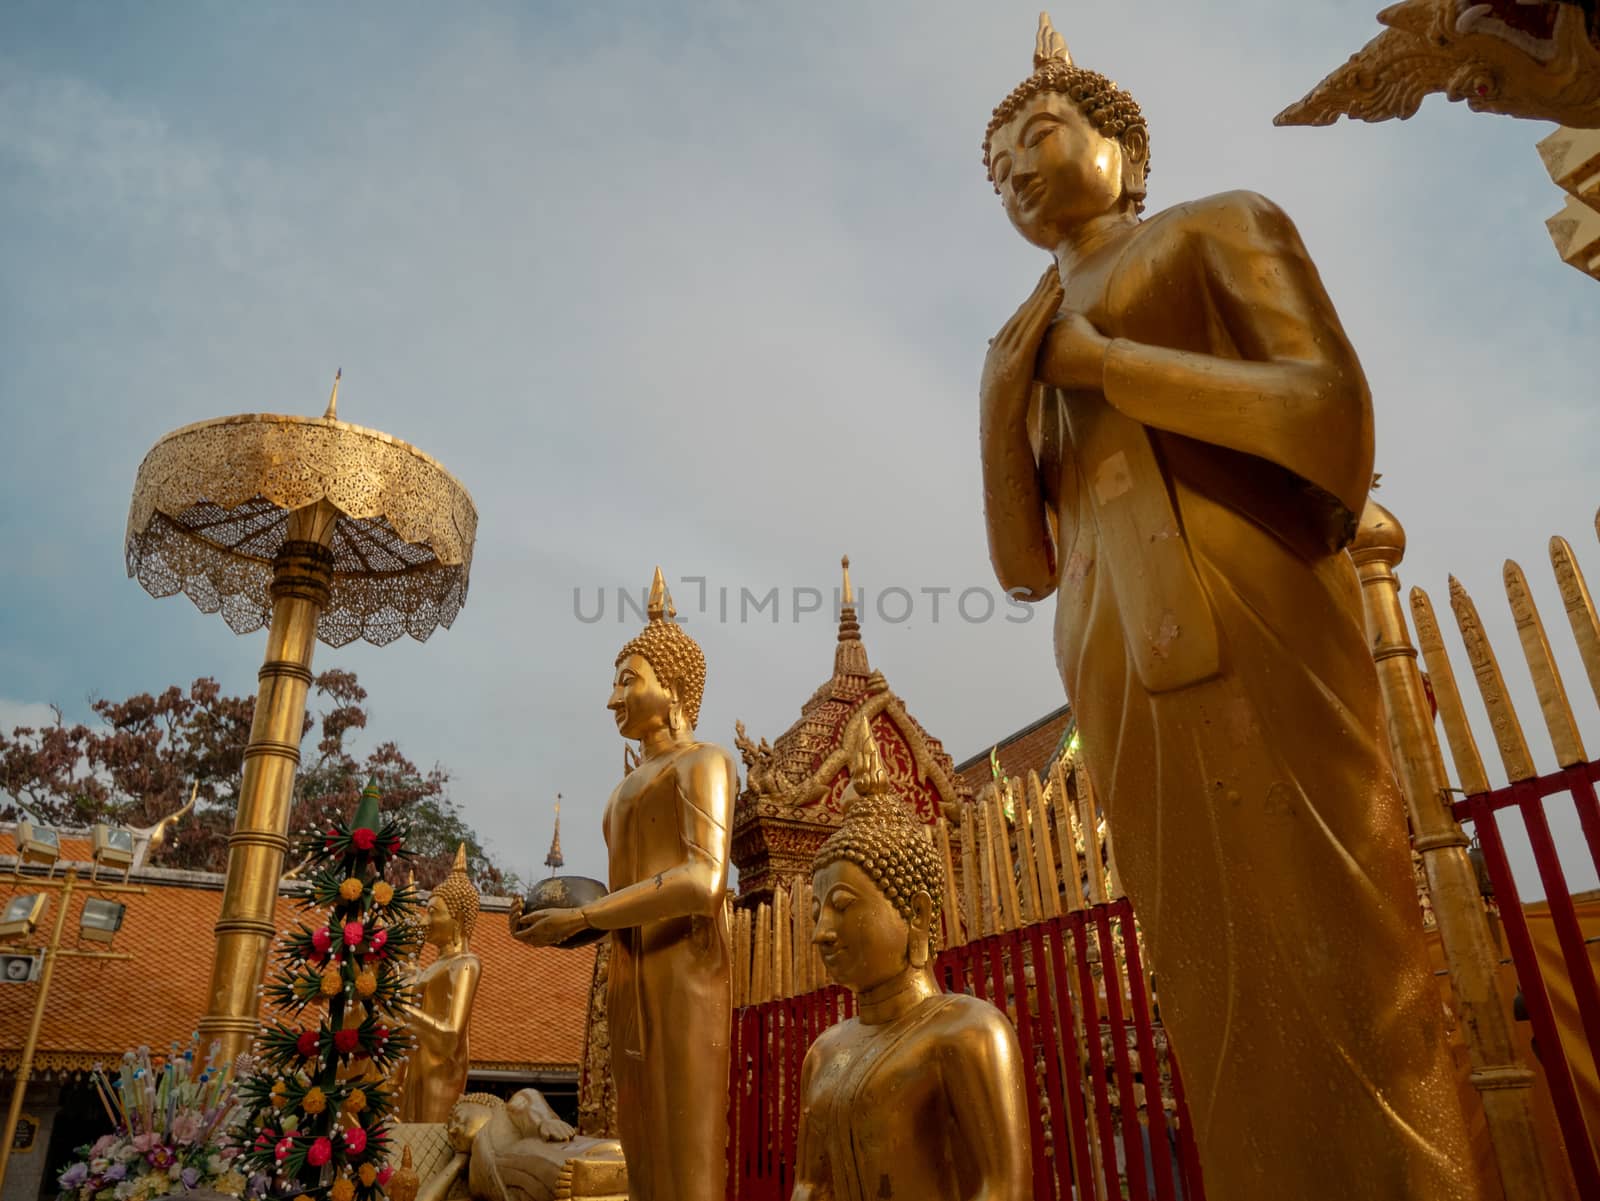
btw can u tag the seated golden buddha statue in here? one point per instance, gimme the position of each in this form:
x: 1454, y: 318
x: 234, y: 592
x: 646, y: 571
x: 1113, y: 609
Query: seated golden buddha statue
x: 436, y: 1072
x: 921, y: 1094
x: 1176, y: 439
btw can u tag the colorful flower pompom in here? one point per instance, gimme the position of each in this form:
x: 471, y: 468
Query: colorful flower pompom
x: 332, y: 982
x: 383, y: 1175
x: 342, y: 1190
x: 355, y: 1102
x: 346, y: 1041
x: 363, y: 838
x: 366, y: 984
x: 355, y: 1139
x: 379, y: 939
x: 306, y: 1044
x: 320, y: 1151
x: 281, y: 1151
x: 354, y: 932
x: 315, y: 1100
x: 279, y: 1099
x: 383, y: 892
x: 322, y: 939
x: 351, y: 889
x: 367, y: 1174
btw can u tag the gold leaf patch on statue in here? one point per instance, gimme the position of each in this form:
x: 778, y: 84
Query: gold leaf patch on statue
x: 1112, y: 478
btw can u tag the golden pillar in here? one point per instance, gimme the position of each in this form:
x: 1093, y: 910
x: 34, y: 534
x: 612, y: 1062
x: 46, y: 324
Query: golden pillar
x: 314, y: 528
x: 1464, y: 933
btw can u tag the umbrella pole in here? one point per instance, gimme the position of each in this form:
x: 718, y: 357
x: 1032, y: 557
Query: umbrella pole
x: 302, y: 576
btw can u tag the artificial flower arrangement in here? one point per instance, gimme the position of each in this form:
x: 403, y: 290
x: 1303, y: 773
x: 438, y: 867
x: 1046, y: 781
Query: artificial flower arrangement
x: 171, y: 1130
x: 317, y: 1105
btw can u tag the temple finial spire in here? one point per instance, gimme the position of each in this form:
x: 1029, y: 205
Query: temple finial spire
x: 333, y: 400
x: 850, y: 659
x: 554, y: 860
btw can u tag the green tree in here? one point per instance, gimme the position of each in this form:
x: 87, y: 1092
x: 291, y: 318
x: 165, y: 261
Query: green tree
x: 139, y: 762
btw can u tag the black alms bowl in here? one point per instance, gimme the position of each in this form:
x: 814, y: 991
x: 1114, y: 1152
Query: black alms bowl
x: 566, y: 892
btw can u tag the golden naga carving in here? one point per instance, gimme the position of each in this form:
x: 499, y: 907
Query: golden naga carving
x: 436, y: 1073
x: 1540, y: 61
x: 922, y: 1094
x: 669, y: 997
x: 1176, y: 436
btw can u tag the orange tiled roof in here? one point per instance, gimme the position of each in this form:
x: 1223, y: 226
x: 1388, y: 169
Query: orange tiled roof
x: 1031, y: 748
x: 530, y: 1011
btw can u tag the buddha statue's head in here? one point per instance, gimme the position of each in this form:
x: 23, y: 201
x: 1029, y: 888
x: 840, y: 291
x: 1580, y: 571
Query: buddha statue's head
x: 469, y: 1115
x: 453, y: 907
x: 661, y: 675
x: 877, y: 882
x: 1067, y: 145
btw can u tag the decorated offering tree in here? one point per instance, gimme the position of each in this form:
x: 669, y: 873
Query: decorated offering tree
x: 320, y: 1097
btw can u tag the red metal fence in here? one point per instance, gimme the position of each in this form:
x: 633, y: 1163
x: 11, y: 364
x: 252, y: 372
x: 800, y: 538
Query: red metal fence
x: 1529, y: 798
x: 1107, y: 1118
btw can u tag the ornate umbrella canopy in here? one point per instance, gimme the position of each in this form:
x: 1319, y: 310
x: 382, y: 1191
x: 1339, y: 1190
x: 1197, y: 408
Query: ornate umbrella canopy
x: 211, y: 508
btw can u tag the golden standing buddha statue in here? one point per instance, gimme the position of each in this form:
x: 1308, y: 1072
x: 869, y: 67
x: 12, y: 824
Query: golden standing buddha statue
x: 1177, y: 435
x: 436, y: 1072
x: 921, y: 1094
x: 669, y: 995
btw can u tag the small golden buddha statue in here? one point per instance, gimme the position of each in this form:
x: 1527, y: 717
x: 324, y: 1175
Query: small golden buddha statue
x: 1177, y: 435
x: 922, y: 1093
x: 669, y: 994
x: 436, y: 1072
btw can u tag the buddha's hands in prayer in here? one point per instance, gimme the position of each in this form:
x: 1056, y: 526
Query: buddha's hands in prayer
x: 547, y: 927
x: 1008, y: 368
x: 1073, y: 354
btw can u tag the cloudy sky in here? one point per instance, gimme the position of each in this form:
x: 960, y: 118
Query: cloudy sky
x: 706, y: 285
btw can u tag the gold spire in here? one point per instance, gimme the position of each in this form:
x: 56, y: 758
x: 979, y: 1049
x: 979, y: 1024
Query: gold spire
x: 333, y: 400
x: 554, y: 860
x: 1049, y: 47
x: 460, y: 865
x: 850, y: 658
x: 660, y: 599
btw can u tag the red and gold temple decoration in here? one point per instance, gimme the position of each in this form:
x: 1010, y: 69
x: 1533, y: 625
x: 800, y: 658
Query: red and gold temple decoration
x: 791, y: 798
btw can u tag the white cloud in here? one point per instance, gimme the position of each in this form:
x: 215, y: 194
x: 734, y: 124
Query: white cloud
x: 24, y: 714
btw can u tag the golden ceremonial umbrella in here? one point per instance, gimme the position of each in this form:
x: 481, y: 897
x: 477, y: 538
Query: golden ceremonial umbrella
x: 317, y: 529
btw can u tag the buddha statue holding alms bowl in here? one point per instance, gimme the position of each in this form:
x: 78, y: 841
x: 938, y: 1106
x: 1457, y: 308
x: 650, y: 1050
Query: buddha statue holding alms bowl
x: 921, y: 1094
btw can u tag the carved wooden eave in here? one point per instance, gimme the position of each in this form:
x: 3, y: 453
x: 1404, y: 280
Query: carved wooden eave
x: 791, y: 798
x: 1572, y: 157
x: 1538, y: 61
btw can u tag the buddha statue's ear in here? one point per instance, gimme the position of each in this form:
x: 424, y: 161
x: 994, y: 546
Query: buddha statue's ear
x: 1135, y: 147
x: 921, y: 929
